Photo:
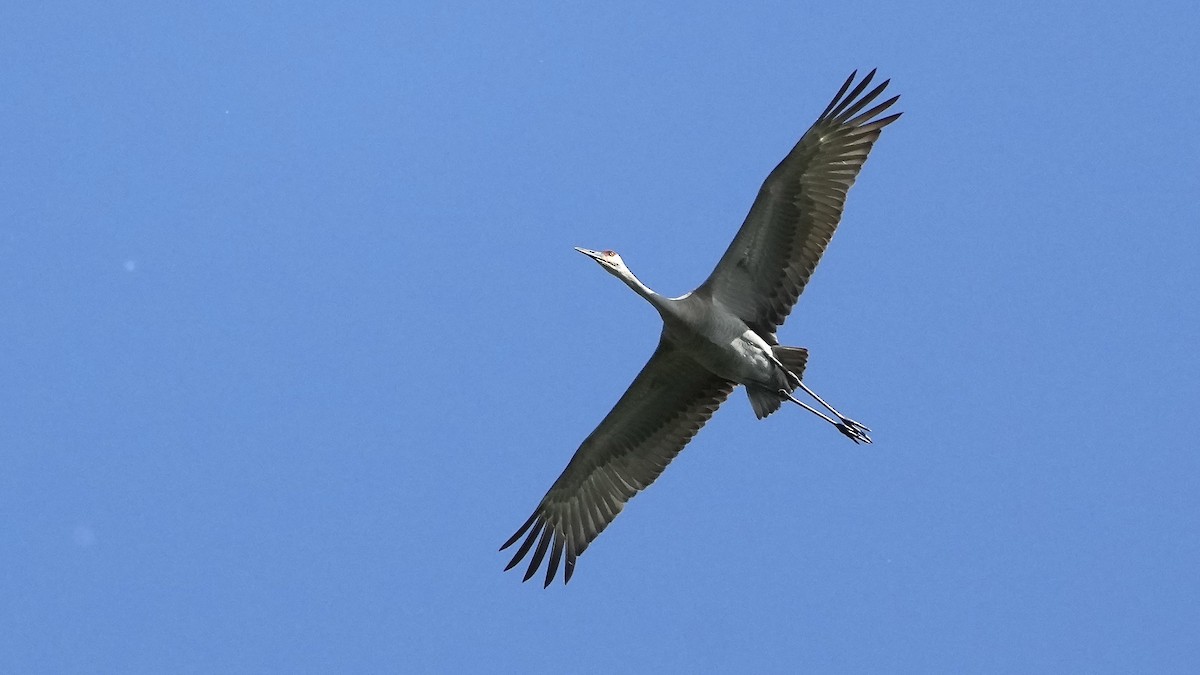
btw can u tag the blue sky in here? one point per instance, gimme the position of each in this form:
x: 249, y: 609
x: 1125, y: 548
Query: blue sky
x: 294, y: 337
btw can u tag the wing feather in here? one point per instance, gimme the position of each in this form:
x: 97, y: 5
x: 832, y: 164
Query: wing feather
x: 668, y: 402
x: 773, y: 256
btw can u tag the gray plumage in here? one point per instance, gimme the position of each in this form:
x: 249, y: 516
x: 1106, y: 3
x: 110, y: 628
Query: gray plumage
x: 716, y: 337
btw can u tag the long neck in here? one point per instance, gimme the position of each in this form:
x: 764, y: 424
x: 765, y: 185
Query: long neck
x: 660, y: 302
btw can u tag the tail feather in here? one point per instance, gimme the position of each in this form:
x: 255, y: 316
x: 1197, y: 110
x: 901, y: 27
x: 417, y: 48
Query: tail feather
x: 766, y: 401
x: 792, y: 358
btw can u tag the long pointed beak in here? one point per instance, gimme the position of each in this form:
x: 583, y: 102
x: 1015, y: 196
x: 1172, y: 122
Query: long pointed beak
x: 594, y: 255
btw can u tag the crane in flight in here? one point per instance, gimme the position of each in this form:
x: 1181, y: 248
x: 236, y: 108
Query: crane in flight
x: 718, y: 336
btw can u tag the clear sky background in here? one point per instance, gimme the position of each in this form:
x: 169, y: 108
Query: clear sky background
x: 292, y: 337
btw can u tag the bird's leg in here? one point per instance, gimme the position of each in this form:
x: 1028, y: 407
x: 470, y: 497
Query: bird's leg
x: 853, y: 430
x: 809, y: 408
x: 846, y: 423
x: 849, y: 428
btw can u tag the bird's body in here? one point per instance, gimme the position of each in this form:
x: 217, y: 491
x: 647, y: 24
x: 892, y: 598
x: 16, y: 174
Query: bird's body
x: 715, y: 338
x: 722, y: 343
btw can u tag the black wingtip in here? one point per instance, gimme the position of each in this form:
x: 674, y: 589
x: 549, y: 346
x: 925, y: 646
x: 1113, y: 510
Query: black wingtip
x: 513, y: 539
x: 538, y: 554
x: 837, y: 97
x: 569, y: 568
x: 524, y: 547
x: 556, y: 551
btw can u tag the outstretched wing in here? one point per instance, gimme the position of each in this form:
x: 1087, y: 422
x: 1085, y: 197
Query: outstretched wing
x: 661, y: 411
x: 797, y: 209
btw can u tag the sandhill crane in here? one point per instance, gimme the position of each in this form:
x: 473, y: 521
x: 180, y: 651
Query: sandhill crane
x: 718, y: 336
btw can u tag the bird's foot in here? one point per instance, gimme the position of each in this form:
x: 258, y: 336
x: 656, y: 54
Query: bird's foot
x: 853, y: 430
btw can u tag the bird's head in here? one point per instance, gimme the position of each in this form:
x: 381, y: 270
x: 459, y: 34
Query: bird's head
x: 609, y: 260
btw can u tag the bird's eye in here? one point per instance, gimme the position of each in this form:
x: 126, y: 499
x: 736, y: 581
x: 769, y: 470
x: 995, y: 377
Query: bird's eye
x: 610, y: 254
